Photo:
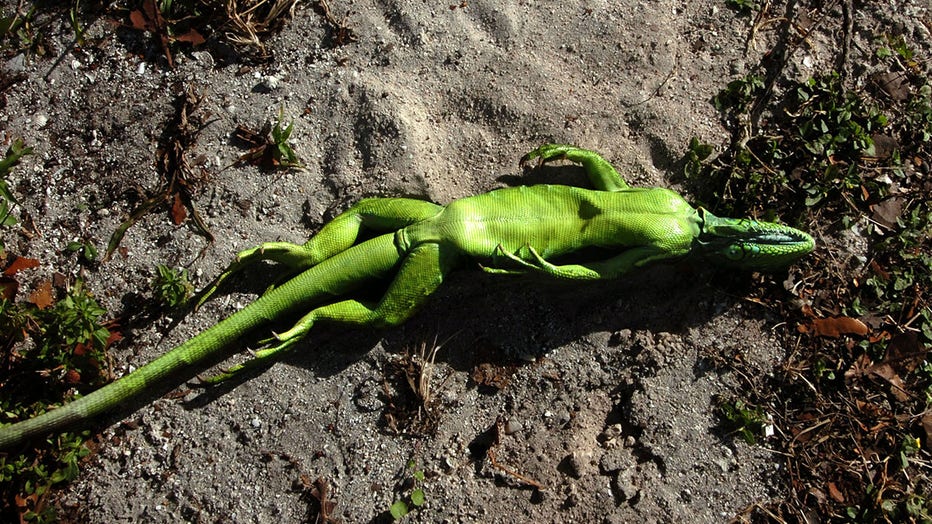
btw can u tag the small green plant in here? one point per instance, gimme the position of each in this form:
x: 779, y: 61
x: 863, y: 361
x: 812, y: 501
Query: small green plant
x: 76, y: 23
x: 742, y: 6
x: 17, y: 33
x: 739, y: 94
x: 73, y: 338
x: 171, y: 287
x: 268, y: 147
x: 35, y: 475
x: 887, y: 47
x: 412, y: 493
x: 835, y: 122
x: 746, y: 421
x: 68, y: 352
x: 813, y: 146
x: 909, y: 447
x: 284, y: 154
x: 918, y: 115
x: 85, y: 249
x: 14, y: 153
x: 695, y: 156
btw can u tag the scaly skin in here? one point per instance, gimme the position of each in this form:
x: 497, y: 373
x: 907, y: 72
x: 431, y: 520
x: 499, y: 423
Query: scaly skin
x: 513, y: 230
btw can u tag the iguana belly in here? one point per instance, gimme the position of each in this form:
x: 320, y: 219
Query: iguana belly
x: 555, y: 220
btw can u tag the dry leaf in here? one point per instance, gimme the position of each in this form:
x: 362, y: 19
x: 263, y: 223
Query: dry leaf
x: 903, y: 356
x: 139, y: 21
x: 859, y: 368
x: 115, y: 336
x: 888, y: 211
x: 490, y: 375
x: 8, y: 288
x: 835, y: 327
x: 72, y: 377
x: 905, y: 353
x: 895, y: 85
x: 191, y: 37
x: 42, y: 296
x: 886, y: 372
x: 320, y: 490
x: 884, y: 146
x: 179, y: 211
x: 20, y: 264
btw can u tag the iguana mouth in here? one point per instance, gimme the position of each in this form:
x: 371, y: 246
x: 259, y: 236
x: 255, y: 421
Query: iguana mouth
x: 751, y: 243
x: 771, y: 234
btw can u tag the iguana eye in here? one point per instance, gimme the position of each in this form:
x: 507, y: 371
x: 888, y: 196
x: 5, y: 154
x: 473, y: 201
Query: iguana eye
x: 734, y: 252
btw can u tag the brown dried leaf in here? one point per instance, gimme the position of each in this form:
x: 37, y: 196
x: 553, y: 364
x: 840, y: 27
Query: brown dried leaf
x: 72, y: 377
x: 859, y: 368
x: 888, y: 211
x: 21, y: 501
x: 20, y: 264
x: 886, y: 372
x: 8, y: 288
x: 880, y: 271
x: 150, y: 19
x: 895, y: 85
x: 905, y: 353
x: 489, y: 375
x: 249, y: 137
x: 320, y: 490
x: 42, y: 296
x: 191, y: 37
x: 884, y: 146
x: 179, y: 212
x: 835, y: 327
x: 139, y: 21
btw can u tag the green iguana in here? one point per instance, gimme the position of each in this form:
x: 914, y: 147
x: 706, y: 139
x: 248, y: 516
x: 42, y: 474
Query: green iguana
x: 511, y: 230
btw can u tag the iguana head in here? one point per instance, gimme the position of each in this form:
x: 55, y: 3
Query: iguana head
x: 750, y: 244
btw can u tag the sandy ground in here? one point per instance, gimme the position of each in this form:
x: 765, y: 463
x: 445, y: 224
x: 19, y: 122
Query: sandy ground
x: 611, y: 393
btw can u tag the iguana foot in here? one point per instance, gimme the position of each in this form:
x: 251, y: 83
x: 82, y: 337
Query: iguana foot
x: 546, y: 153
x: 501, y: 252
x: 262, y: 357
x: 539, y: 264
x: 294, y: 256
x: 600, y: 172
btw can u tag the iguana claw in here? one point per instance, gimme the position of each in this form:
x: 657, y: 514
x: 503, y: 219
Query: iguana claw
x: 545, y: 153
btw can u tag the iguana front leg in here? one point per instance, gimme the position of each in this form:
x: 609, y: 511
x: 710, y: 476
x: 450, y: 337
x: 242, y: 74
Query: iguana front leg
x: 375, y: 214
x: 601, y: 174
x: 611, y: 268
x: 421, y: 272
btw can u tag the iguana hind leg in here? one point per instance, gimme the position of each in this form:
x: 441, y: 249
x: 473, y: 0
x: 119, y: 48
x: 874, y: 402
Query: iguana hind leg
x: 338, y: 235
x: 600, y: 172
x: 421, y: 272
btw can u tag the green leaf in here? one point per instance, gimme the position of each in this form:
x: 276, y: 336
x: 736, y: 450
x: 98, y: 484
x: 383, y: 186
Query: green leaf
x: 6, y: 219
x: 417, y: 497
x: 14, y: 153
x: 398, y: 509
x: 90, y: 252
x: 5, y: 192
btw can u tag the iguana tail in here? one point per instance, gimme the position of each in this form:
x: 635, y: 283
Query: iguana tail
x: 333, y: 277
